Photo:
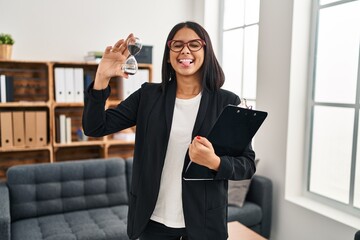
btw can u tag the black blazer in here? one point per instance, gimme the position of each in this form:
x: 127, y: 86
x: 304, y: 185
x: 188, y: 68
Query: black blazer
x: 151, y: 109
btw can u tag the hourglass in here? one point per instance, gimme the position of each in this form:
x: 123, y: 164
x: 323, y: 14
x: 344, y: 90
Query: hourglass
x: 134, y: 46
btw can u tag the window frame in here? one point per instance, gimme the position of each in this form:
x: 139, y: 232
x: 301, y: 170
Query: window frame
x: 222, y: 30
x: 311, y: 103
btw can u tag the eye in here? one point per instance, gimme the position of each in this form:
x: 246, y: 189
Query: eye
x: 177, y: 44
x: 195, y: 44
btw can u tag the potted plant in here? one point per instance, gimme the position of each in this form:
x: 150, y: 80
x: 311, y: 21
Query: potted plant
x: 6, y: 42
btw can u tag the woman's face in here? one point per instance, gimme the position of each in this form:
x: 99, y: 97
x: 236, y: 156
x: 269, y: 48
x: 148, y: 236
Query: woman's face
x: 186, y: 62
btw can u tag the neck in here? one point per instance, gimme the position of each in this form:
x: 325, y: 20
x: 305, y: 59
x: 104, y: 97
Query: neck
x: 187, y: 89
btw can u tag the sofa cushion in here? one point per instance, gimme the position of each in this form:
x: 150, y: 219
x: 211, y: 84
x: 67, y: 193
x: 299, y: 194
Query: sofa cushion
x: 95, y: 224
x: 51, y: 188
x: 249, y: 215
x: 238, y: 190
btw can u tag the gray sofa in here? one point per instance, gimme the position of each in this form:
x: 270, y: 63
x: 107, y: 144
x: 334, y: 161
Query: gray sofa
x: 87, y: 199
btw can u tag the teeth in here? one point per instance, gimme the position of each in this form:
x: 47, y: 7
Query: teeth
x: 186, y: 60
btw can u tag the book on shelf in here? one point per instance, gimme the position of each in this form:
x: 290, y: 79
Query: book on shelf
x: 92, y: 59
x: 68, y: 130
x: 93, y: 56
x: 65, y: 134
x: 62, y: 128
x: 6, y: 88
x: 95, y: 53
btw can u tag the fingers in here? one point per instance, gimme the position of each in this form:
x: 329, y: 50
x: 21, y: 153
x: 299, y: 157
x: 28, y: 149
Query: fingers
x: 199, y: 145
x: 108, y: 49
x: 203, y: 141
x: 121, y: 45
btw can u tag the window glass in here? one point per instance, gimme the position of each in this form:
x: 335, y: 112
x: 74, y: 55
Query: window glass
x: 233, y: 13
x: 240, y: 46
x: 331, y: 152
x: 252, y: 11
x: 250, y: 61
x: 337, y: 53
x: 233, y: 60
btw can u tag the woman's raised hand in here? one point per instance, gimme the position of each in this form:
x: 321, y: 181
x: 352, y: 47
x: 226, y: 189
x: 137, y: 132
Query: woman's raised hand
x: 110, y: 65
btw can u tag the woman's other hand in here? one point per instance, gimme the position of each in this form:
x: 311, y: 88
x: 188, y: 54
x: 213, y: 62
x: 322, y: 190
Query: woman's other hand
x: 202, y: 152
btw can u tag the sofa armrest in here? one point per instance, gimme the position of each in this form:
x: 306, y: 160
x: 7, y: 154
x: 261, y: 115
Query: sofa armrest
x: 260, y: 192
x: 4, y: 212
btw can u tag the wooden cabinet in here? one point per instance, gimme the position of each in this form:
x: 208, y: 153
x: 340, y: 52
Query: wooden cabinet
x: 31, y: 89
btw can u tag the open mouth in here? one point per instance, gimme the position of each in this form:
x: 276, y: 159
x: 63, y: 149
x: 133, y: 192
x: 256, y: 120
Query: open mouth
x: 186, y: 62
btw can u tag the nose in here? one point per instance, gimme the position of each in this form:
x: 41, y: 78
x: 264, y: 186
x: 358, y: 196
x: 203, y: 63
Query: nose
x: 185, y: 49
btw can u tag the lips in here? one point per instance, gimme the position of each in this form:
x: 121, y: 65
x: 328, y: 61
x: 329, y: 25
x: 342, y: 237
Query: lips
x: 186, y: 62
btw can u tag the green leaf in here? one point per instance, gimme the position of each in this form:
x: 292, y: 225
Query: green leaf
x: 6, y: 39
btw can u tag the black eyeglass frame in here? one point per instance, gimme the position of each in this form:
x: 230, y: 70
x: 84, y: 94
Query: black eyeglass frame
x: 203, y: 43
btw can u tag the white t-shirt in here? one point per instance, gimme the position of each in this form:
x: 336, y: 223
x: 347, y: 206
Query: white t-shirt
x: 169, y: 209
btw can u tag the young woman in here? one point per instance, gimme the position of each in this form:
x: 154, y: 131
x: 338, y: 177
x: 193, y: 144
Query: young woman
x: 172, y: 120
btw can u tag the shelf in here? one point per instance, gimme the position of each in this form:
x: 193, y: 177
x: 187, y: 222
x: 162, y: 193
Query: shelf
x: 120, y: 142
x: 79, y: 153
x: 24, y: 149
x: 124, y: 151
x: 25, y: 104
x: 78, y: 144
x: 67, y: 105
x: 32, y: 88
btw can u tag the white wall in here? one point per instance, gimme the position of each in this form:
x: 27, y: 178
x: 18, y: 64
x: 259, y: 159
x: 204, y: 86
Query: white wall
x: 65, y: 30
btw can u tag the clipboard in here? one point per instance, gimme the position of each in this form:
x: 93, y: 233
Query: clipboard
x: 230, y: 135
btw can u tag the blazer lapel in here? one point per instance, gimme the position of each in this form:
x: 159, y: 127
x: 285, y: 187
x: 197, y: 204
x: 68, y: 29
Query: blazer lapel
x: 204, y: 103
x: 170, y: 97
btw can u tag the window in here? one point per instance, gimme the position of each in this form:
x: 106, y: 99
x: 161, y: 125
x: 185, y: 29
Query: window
x: 240, y: 46
x: 334, y: 104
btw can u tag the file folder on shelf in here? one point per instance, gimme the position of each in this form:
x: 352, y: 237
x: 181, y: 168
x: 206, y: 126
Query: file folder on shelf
x: 6, y: 129
x: 60, y: 84
x: 30, y: 128
x: 69, y: 85
x: 230, y: 135
x: 19, y: 128
x: 41, y: 128
x: 78, y: 85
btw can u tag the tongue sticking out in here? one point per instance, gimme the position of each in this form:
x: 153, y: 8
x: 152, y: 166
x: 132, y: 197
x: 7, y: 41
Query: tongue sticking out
x: 186, y: 62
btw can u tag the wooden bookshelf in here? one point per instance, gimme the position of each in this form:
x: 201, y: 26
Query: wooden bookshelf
x: 33, y: 89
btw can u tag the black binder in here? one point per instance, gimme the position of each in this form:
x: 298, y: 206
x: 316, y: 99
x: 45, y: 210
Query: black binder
x: 230, y: 135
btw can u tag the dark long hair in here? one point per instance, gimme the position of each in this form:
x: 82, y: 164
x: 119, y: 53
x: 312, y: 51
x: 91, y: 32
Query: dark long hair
x: 212, y: 74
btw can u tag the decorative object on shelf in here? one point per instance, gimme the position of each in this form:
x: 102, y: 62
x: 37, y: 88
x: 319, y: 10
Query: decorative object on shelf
x: 93, y: 56
x: 6, y: 43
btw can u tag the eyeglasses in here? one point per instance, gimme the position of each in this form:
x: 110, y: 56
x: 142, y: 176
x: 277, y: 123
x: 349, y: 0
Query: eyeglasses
x: 193, y: 45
